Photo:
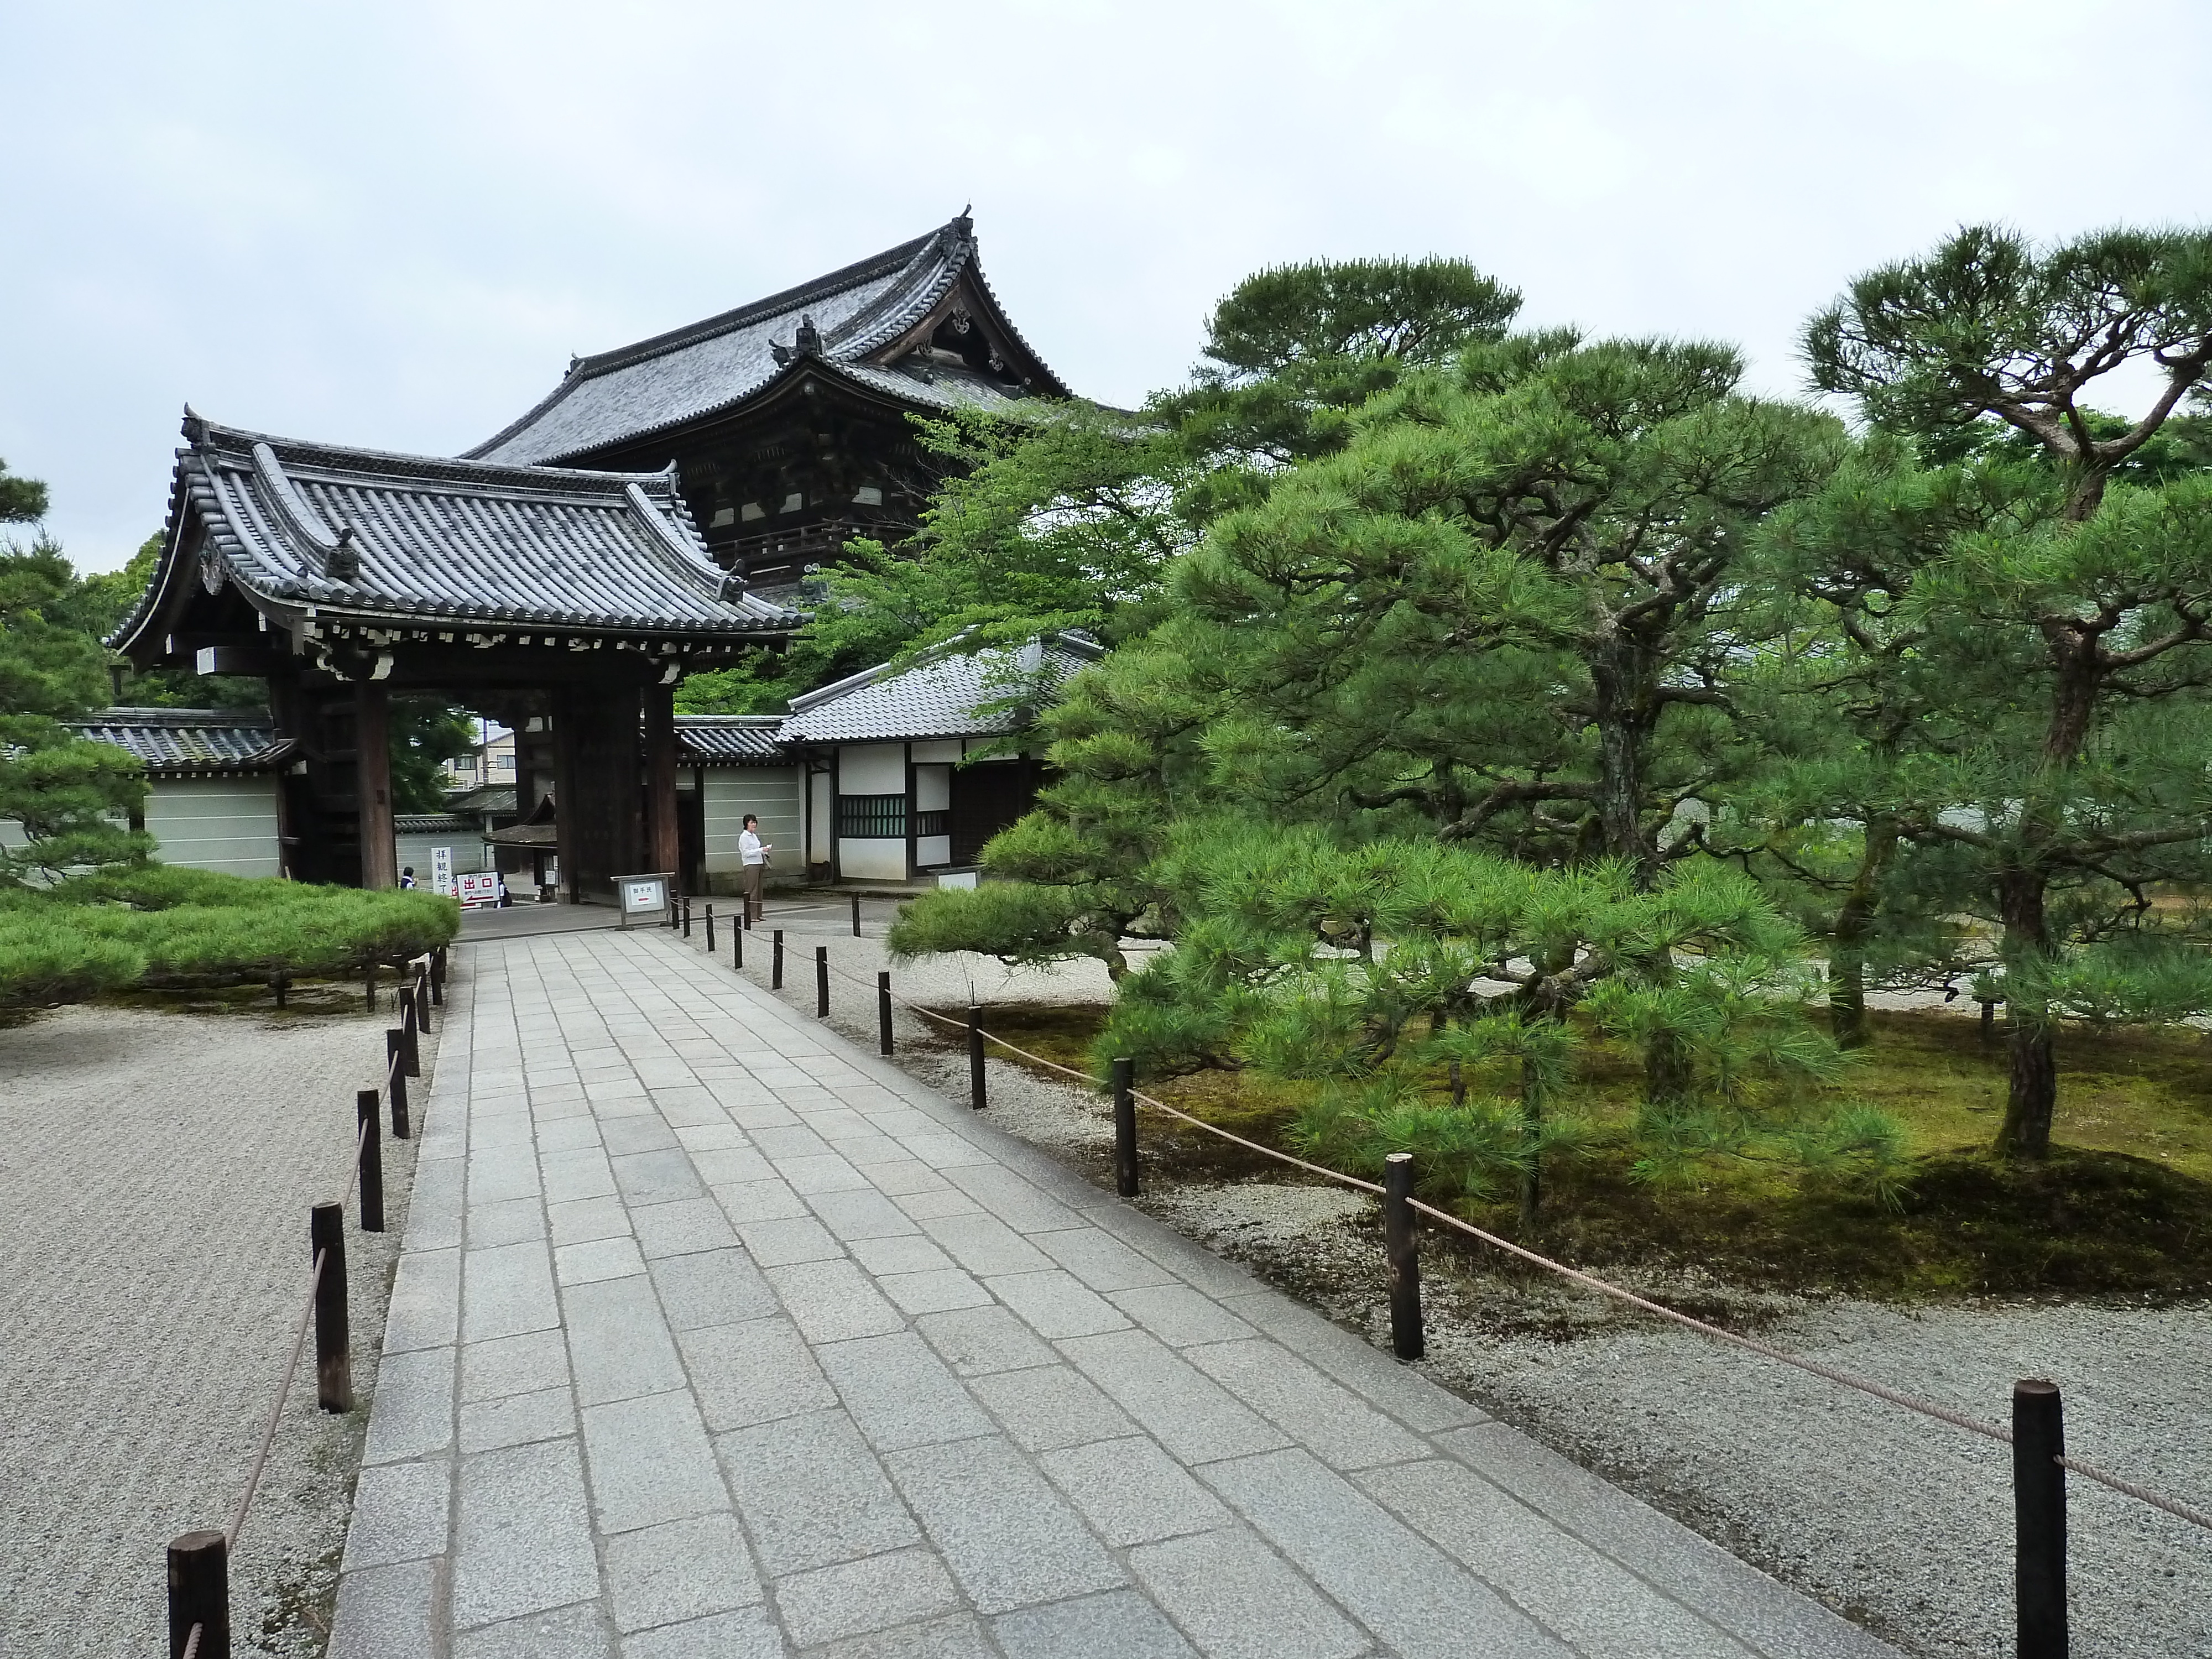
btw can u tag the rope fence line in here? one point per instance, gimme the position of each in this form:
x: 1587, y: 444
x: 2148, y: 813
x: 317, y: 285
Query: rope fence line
x: 2182, y: 1511
x: 198, y: 1562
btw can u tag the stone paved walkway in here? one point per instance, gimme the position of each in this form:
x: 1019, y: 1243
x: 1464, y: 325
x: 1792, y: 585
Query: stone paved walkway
x: 714, y: 1335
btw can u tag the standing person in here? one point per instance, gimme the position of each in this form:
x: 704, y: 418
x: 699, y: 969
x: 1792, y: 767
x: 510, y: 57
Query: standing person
x: 407, y: 877
x: 753, y: 852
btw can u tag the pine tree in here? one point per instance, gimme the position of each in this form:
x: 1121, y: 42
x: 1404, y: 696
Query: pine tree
x: 2044, y: 574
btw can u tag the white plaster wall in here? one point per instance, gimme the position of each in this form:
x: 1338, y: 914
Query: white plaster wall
x: 774, y: 793
x: 871, y: 861
x: 821, y: 817
x: 872, y: 768
x: 938, y: 749
x: 216, y: 824
x: 932, y: 788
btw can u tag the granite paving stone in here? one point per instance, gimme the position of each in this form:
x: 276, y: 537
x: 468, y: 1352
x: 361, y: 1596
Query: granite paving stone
x: 713, y: 1334
x: 811, y: 1493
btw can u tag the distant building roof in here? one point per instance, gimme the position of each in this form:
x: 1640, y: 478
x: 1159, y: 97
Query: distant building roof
x: 179, y: 742
x: 851, y: 324
x: 362, y: 537
x: 730, y: 739
x: 493, y: 798
x: 432, y: 823
x: 938, y: 698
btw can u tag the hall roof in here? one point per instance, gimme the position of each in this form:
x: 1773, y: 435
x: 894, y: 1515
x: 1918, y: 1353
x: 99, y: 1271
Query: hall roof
x: 853, y: 324
x: 358, y: 536
x: 186, y: 742
x: 730, y: 739
x: 951, y: 695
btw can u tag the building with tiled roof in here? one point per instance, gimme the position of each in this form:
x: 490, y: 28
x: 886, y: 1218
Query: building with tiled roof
x: 788, y: 419
x: 215, y: 783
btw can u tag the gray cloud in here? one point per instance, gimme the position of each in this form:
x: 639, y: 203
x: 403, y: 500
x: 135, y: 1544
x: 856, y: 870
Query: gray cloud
x: 391, y: 225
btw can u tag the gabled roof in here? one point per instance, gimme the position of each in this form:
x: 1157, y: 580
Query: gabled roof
x: 730, y: 739
x: 362, y: 535
x: 493, y: 798
x: 939, y: 696
x: 184, y: 742
x: 848, y: 324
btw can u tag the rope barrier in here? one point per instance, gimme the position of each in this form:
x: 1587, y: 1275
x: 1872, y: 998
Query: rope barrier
x: 276, y: 1411
x: 1845, y: 1379
x: 192, y: 1642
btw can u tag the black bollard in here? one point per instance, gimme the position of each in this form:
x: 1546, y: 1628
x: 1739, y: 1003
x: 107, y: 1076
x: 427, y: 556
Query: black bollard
x: 975, y: 1057
x: 1124, y: 1127
x: 396, y: 1075
x: 2038, y: 1497
x: 687, y: 918
x: 199, y: 1593
x: 710, y: 930
x: 410, y: 1050
x: 1403, y: 1262
x: 775, y: 961
x: 438, y: 976
x: 372, y: 1162
x: 737, y: 947
x: 821, y: 982
x: 333, y: 1342
x: 883, y: 1013
x: 856, y: 915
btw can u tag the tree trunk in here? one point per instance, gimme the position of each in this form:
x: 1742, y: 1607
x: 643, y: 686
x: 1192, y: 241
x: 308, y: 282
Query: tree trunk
x: 1625, y: 687
x: 1531, y: 1124
x: 2032, y: 1088
x: 1847, y: 1017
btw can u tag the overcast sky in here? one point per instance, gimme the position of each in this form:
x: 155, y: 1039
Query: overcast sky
x: 390, y: 224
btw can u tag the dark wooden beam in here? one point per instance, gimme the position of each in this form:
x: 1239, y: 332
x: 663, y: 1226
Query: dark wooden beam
x: 372, y: 714
x: 660, y: 777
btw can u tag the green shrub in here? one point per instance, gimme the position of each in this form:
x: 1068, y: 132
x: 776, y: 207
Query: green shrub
x: 152, y: 922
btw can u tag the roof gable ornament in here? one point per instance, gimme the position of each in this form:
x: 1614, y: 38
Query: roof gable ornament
x: 343, y: 564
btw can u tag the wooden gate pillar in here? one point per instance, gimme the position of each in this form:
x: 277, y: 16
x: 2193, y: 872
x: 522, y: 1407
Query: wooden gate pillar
x: 660, y: 835
x: 372, y: 725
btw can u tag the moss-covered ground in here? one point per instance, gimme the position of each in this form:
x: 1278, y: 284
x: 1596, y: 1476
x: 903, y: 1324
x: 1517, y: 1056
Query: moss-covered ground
x: 2122, y: 1208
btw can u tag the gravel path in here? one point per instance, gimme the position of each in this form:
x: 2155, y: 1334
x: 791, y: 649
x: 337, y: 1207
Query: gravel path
x: 1902, y: 1522
x: 155, y: 1171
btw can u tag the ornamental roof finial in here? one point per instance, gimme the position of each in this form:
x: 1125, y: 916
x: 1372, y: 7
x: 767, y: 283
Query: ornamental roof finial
x: 810, y: 337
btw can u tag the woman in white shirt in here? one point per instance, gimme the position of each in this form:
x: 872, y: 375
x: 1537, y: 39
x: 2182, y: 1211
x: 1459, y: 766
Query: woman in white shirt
x: 753, y: 852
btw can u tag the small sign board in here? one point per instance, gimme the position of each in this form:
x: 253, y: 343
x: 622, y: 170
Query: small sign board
x: 476, y: 887
x: 641, y: 894
x: 441, y: 871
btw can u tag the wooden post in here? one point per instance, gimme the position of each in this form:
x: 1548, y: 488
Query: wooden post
x: 368, y: 985
x: 1124, y: 1127
x: 423, y: 1000
x: 1989, y: 1024
x: 199, y: 1593
x: 2039, y: 1496
x: 396, y: 1074
x: 280, y: 982
x: 710, y: 930
x: 410, y: 1050
x: 687, y: 917
x: 661, y: 852
x: 438, y: 976
x: 372, y: 1161
x: 856, y: 915
x: 775, y: 961
x: 372, y: 729
x: 883, y: 1013
x: 333, y: 1342
x: 1399, y: 1256
x: 738, y: 948
x: 975, y: 1098
x: 821, y: 982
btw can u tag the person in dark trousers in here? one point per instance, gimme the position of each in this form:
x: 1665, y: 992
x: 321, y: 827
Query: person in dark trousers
x: 753, y: 852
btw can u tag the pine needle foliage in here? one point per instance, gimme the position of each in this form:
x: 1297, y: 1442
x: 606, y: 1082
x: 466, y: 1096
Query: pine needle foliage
x: 1448, y: 1002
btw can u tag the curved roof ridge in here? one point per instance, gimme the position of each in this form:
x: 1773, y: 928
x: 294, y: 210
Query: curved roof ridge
x: 812, y: 291
x: 203, y: 434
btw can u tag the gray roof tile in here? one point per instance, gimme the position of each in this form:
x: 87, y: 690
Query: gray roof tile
x: 458, y: 541
x: 938, y: 698
x: 192, y: 742
x: 730, y: 739
x: 653, y: 384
